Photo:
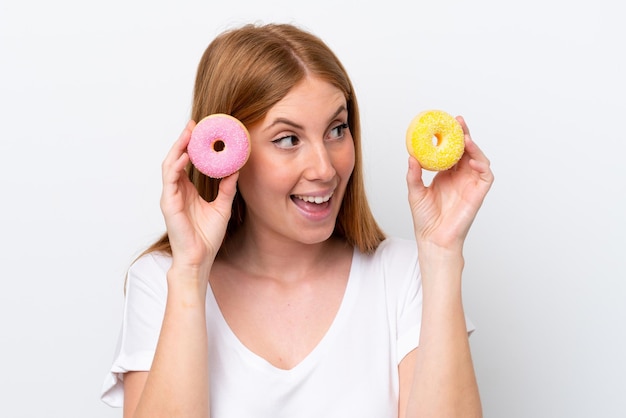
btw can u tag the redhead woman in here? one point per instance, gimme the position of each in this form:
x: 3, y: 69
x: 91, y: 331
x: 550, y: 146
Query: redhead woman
x: 274, y: 293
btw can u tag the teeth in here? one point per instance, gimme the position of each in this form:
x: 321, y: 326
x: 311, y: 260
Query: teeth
x: 315, y: 199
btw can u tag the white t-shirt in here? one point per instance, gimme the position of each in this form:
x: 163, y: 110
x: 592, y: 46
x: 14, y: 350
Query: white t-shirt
x: 352, y: 372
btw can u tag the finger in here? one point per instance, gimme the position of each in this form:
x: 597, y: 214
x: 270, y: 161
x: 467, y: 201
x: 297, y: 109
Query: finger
x: 226, y: 192
x: 461, y: 120
x: 173, y: 171
x: 414, y: 179
x: 476, y: 158
x: 483, y: 169
x: 180, y: 164
x: 473, y: 151
x: 176, y: 159
x: 185, y: 136
x: 180, y: 146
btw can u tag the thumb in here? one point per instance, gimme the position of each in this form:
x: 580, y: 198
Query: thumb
x: 226, y: 193
x: 414, y: 179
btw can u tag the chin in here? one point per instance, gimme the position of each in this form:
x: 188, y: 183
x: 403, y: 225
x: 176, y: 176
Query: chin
x: 316, y: 237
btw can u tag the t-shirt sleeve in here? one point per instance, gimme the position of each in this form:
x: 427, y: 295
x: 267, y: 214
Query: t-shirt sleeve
x: 144, y: 307
x: 409, y: 305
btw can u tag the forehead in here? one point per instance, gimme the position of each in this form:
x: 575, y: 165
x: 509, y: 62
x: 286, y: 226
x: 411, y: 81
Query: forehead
x: 310, y: 94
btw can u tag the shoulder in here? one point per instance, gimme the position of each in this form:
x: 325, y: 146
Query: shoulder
x: 149, y: 270
x: 395, y: 250
x: 152, y: 261
x: 396, y: 244
x: 395, y: 261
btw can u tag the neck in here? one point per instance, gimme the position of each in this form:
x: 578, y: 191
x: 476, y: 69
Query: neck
x: 280, y: 259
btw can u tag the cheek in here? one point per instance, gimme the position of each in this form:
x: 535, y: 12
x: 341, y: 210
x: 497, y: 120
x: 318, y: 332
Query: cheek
x: 250, y: 177
x: 345, y: 161
x: 259, y: 175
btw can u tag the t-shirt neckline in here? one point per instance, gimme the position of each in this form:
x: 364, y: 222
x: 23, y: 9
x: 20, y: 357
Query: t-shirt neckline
x: 259, y: 362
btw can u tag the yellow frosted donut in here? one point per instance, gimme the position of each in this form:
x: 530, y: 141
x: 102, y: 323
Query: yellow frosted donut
x: 435, y: 139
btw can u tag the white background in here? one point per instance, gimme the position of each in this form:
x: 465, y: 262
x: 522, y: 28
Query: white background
x: 92, y: 94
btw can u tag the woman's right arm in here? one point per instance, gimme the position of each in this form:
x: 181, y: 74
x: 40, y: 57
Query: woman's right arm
x: 178, y: 381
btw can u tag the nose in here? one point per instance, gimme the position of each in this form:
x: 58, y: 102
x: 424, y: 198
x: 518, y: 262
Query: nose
x: 319, y: 166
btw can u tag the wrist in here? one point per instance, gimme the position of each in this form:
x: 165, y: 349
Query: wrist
x: 450, y: 252
x: 439, y: 242
x: 188, y: 280
x: 441, y: 265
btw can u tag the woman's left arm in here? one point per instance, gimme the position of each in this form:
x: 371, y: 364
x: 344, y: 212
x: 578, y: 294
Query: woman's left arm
x: 437, y: 379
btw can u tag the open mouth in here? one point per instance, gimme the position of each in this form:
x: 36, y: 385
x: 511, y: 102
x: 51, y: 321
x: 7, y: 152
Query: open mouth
x: 318, y: 200
x: 315, y: 207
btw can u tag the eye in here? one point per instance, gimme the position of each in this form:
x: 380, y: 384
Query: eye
x: 286, y: 142
x: 338, y: 131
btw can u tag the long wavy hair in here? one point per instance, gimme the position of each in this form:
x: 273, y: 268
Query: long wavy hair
x: 244, y: 72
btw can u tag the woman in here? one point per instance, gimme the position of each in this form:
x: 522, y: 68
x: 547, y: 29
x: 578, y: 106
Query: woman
x: 274, y: 292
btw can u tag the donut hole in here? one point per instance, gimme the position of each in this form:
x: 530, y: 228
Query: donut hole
x: 219, y: 145
x: 436, y: 140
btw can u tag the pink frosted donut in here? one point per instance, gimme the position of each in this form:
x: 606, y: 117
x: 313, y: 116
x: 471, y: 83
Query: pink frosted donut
x: 219, y: 145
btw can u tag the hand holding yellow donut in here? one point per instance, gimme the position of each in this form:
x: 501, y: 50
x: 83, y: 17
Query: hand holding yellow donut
x: 444, y: 210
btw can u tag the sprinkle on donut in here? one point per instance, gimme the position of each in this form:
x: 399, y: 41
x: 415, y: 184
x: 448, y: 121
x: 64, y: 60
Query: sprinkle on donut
x: 435, y: 139
x: 219, y: 145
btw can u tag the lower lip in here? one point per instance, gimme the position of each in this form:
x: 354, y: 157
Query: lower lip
x: 314, y: 211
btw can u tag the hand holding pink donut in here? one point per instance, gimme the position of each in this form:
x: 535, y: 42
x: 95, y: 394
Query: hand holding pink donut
x: 195, y: 227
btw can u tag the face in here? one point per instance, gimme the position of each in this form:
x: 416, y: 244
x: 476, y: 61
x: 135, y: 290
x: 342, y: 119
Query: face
x: 302, y: 156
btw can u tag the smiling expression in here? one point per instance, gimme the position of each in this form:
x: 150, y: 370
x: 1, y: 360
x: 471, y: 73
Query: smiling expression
x: 301, y: 160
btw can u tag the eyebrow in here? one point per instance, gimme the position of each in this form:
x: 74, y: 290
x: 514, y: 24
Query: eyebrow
x: 285, y: 121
